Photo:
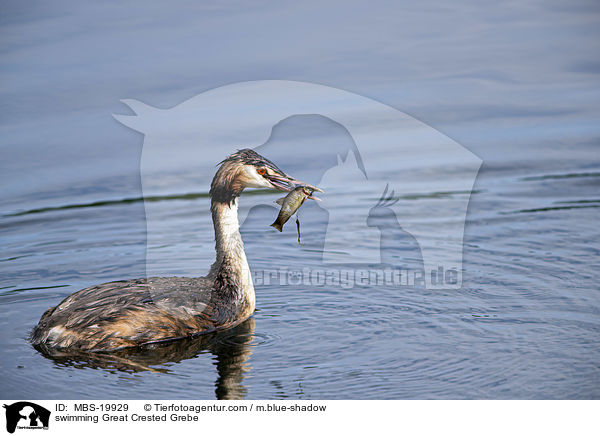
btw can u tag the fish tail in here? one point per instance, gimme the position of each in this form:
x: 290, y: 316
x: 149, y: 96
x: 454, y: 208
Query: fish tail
x: 277, y: 225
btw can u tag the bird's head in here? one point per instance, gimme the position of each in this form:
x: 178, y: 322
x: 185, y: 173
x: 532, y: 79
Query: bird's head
x: 248, y: 169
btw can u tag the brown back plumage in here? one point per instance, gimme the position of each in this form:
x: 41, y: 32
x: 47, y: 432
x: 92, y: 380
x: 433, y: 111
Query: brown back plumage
x: 130, y: 313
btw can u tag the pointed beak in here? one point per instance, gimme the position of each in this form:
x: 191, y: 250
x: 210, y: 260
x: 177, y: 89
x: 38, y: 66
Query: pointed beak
x: 283, y: 182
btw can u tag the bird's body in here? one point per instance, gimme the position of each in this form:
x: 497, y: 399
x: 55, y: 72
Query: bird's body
x: 136, y: 312
x: 129, y: 313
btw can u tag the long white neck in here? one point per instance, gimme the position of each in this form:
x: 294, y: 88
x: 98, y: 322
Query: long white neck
x: 231, y: 270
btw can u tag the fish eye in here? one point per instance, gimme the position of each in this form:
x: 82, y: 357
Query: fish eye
x: 261, y: 171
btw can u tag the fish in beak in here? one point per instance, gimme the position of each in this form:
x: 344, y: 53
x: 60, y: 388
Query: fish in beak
x: 283, y: 182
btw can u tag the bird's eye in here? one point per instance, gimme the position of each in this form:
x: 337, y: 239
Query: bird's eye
x: 261, y: 171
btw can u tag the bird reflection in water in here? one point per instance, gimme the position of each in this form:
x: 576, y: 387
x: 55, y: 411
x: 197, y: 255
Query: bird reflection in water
x: 231, y: 348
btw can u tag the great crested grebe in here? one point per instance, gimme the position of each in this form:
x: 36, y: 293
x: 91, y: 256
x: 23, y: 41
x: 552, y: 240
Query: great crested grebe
x: 130, y: 313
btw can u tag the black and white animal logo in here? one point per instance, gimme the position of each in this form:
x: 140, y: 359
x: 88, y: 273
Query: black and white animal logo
x: 26, y: 415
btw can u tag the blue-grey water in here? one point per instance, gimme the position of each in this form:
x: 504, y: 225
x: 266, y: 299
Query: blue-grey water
x: 517, y: 84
